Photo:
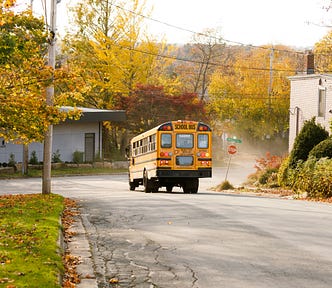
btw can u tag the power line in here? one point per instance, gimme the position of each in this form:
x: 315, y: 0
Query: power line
x: 201, y: 33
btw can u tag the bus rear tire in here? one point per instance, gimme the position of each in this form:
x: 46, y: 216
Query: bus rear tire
x: 147, y: 183
x: 169, y: 188
x: 132, y: 186
x: 191, y: 186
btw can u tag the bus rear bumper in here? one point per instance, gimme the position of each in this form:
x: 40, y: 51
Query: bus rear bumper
x: 200, y: 173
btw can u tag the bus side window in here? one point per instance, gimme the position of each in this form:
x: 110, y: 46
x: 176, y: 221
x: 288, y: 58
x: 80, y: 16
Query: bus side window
x: 166, y: 140
x: 203, y: 141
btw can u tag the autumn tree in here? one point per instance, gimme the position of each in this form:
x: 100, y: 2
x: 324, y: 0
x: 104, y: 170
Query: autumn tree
x: 113, y: 54
x: 323, y: 54
x: 151, y: 105
x: 24, y: 115
x: 252, y: 96
x: 205, y: 51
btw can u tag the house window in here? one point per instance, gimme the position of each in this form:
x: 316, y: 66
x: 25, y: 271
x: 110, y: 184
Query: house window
x: 321, y: 102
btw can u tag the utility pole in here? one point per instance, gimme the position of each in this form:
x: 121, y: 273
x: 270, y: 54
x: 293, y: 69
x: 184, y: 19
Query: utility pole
x: 47, y: 157
x: 271, y: 78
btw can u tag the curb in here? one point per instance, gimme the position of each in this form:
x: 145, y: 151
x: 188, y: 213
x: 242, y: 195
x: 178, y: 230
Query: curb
x: 79, y: 246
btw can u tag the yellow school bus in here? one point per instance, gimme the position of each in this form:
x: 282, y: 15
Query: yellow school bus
x: 173, y: 154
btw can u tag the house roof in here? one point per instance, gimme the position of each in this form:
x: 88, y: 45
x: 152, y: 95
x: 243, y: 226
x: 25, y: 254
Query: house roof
x: 309, y: 76
x: 96, y: 115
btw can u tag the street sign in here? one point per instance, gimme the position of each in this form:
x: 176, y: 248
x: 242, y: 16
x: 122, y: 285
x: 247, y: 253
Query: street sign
x: 235, y: 140
x: 232, y: 149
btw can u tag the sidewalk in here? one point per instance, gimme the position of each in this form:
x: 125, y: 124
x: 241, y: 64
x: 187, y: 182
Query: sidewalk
x: 79, y: 247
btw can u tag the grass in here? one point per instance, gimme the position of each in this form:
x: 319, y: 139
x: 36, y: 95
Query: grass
x: 29, y: 230
x: 65, y: 171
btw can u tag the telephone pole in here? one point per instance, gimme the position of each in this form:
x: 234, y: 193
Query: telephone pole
x: 271, y: 78
x: 47, y: 157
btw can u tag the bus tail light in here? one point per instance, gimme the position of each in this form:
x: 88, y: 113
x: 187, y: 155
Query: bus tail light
x: 166, y: 154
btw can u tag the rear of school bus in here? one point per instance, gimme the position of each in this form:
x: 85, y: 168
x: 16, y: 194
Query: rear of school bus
x: 183, y: 154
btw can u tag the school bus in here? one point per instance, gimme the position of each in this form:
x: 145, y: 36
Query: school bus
x: 173, y: 154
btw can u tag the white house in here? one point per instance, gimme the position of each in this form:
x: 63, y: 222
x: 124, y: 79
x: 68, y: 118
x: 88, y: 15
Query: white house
x: 310, y: 96
x: 83, y: 135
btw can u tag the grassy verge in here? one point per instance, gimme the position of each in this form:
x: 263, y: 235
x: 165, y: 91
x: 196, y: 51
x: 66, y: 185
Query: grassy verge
x: 29, y: 230
x: 65, y: 171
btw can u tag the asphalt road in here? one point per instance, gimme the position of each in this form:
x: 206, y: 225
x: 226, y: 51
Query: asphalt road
x: 201, y: 240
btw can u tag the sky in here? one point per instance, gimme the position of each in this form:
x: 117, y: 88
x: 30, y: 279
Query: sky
x: 297, y: 23
x: 255, y: 22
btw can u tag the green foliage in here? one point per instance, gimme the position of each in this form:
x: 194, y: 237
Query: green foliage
x: 56, y: 157
x: 78, y: 157
x: 269, y: 176
x: 314, y: 177
x: 310, y: 135
x: 29, y: 232
x: 11, y: 161
x: 283, y: 173
x: 33, y: 158
x: 322, y: 149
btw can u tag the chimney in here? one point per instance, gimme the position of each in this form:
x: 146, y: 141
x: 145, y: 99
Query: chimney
x: 310, y: 63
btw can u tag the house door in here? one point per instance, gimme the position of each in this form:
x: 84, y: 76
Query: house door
x: 89, y: 147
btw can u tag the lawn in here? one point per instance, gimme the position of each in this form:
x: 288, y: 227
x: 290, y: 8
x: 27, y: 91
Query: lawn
x: 29, y: 251
x: 64, y: 171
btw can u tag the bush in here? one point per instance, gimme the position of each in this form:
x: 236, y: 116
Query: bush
x: 268, y: 177
x: 314, y: 177
x: 322, y: 149
x: 11, y: 161
x: 283, y: 180
x: 56, y: 157
x: 33, y: 158
x: 226, y: 185
x: 78, y: 157
x: 310, y: 135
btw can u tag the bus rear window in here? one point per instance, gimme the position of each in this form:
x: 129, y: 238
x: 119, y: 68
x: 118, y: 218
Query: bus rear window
x: 166, y: 140
x: 203, y: 141
x: 184, y: 140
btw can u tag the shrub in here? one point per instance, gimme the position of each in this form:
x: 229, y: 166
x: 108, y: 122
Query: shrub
x: 314, y: 177
x: 56, y: 157
x: 11, y: 161
x: 269, y: 162
x: 226, y: 185
x: 322, y: 149
x: 268, y: 177
x: 310, y: 135
x: 33, y: 158
x: 283, y: 180
x: 267, y: 169
x: 78, y: 157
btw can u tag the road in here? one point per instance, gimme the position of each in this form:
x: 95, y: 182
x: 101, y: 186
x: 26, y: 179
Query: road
x: 203, y: 240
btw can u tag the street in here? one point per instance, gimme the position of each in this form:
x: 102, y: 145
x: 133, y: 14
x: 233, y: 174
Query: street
x: 204, y: 240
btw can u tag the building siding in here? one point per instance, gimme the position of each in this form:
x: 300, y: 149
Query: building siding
x: 304, y: 102
x: 67, y: 138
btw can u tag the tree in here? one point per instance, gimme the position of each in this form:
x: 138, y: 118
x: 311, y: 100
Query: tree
x: 150, y: 106
x: 251, y: 96
x: 310, y: 135
x: 323, y: 54
x: 24, y: 115
x: 203, y: 54
x: 113, y: 54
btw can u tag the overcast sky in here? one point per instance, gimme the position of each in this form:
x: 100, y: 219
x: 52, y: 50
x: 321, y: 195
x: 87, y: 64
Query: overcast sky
x: 256, y: 22
x: 247, y: 21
